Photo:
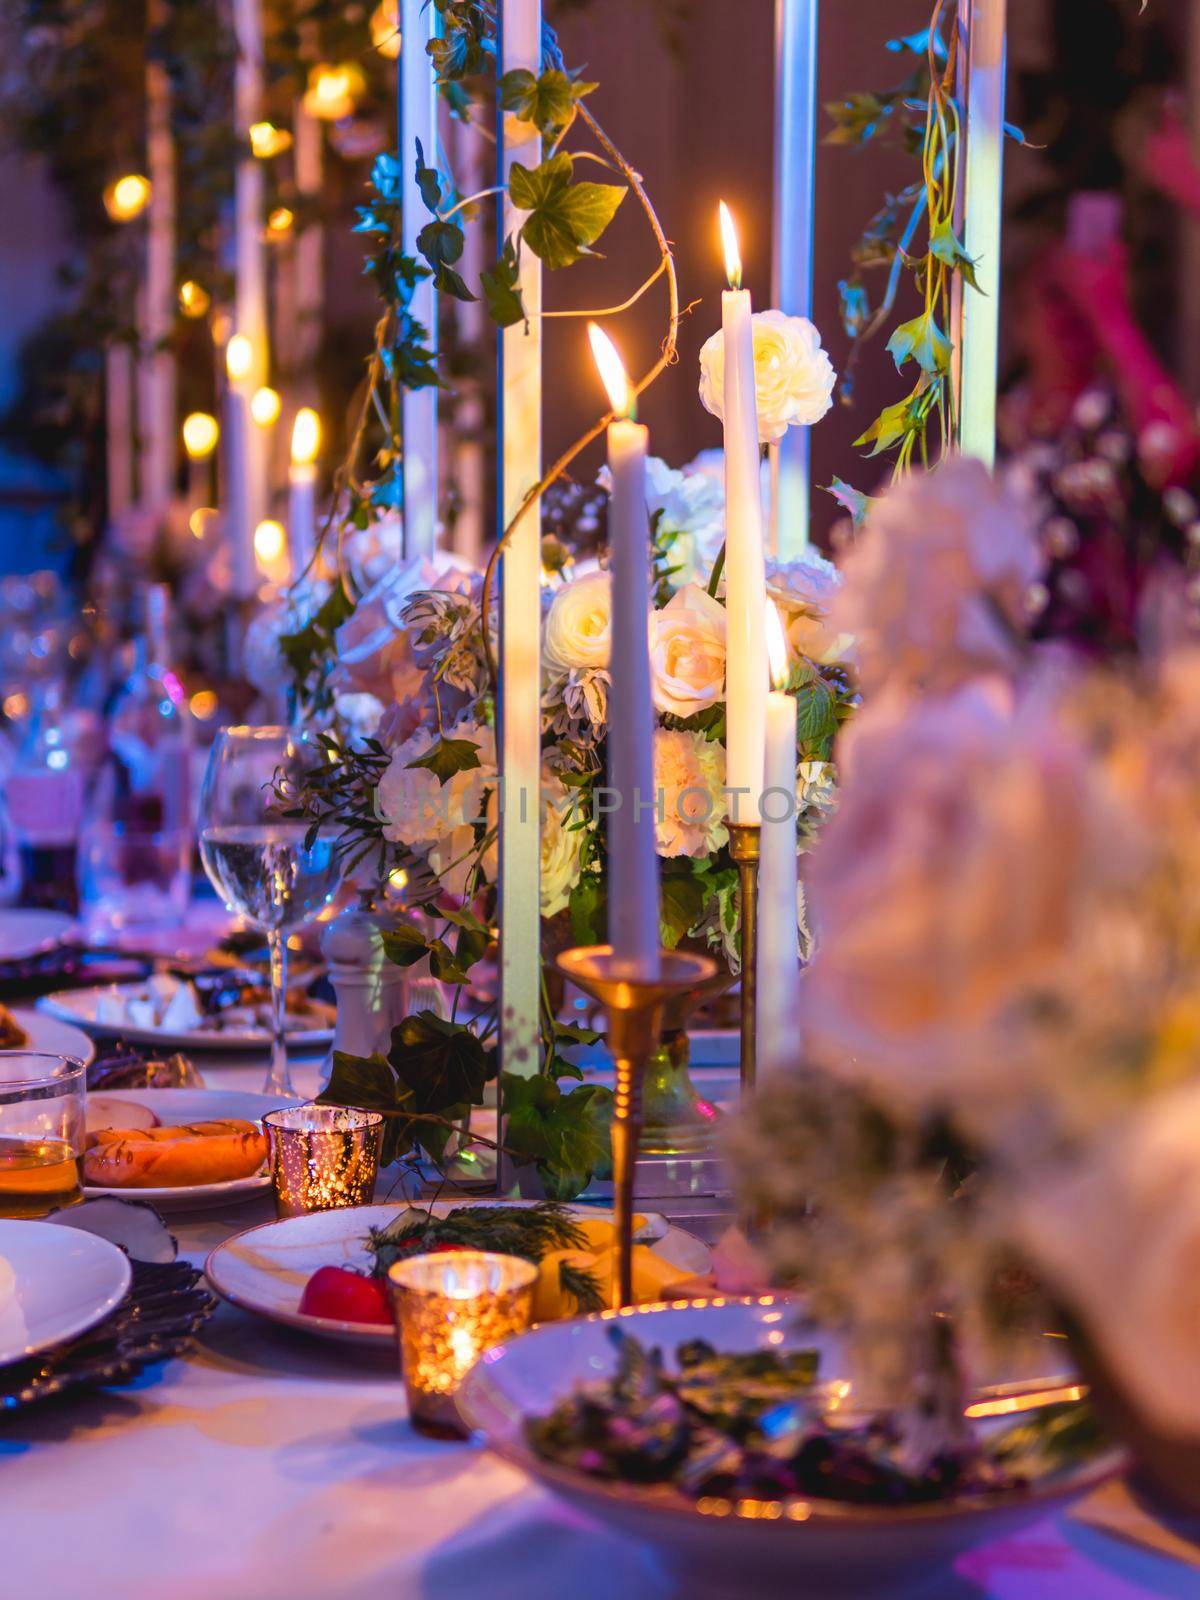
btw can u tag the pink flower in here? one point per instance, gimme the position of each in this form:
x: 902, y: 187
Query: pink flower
x: 936, y: 586
x: 689, y: 778
x: 374, y: 653
x: 687, y: 652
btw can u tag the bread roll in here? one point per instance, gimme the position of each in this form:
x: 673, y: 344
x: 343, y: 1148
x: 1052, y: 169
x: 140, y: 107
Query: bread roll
x: 169, y: 1158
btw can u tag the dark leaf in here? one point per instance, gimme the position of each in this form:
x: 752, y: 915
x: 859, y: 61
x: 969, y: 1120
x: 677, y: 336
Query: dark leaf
x: 447, y: 757
x: 443, y: 1063
x: 501, y: 289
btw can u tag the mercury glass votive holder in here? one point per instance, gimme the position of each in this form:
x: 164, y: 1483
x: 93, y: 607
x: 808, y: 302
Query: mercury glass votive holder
x: 323, y: 1157
x: 451, y: 1307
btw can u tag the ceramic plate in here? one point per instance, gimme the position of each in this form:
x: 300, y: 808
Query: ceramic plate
x: 54, y: 1284
x: 80, y: 1007
x: 24, y: 934
x: 265, y: 1269
x: 54, y: 1037
x: 826, y: 1547
x: 172, y: 1106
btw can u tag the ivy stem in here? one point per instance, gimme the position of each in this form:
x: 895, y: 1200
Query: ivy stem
x: 611, y: 311
x: 469, y: 200
x: 665, y: 359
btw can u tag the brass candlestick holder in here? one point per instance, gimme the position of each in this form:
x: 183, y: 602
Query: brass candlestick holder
x: 744, y: 841
x: 634, y: 1006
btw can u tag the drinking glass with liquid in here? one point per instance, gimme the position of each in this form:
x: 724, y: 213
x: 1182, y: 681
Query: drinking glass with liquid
x: 43, y: 1128
x: 262, y: 863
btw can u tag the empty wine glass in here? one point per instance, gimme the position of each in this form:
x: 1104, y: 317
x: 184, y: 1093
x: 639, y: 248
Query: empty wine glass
x: 260, y: 861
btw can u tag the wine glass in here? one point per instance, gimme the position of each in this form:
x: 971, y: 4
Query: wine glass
x: 260, y: 861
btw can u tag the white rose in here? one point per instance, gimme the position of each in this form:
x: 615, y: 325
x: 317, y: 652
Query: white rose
x: 562, y: 841
x: 689, y: 783
x: 793, y: 376
x: 435, y: 819
x: 577, y: 626
x: 803, y: 590
x: 687, y: 652
x: 1118, y: 1242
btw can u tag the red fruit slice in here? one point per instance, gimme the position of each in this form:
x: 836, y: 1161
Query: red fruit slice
x: 344, y: 1296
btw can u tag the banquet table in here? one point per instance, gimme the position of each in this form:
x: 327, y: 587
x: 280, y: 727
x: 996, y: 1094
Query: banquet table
x: 270, y: 1466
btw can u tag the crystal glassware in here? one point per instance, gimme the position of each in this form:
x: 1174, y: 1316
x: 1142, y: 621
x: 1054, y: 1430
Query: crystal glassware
x: 131, y: 880
x: 450, y: 1308
x: 262, y: 863
x: 43, y: 1125
x: 323, y: 1157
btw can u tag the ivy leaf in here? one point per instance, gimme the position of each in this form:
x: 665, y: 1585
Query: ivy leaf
x: 853, y: 500
x: 681, y: 906
x: 565, y: 218
x: 856, y: 119
x: 588, y: 908
x: 945, y: 246
x: 450, y: 282
x: 405, y: 945
x: 922, y: 341
x: 855, y: 307
x: 501, y: 289
x: 440, y: 242
x: 444, y: 1064
x: 567, y: 1135
x: 571, y: 1033
x: 428, y: 182
x: 918, y: 44
x: 371, y: 1084
x: 548, y: 101
x: 447, y: 757
x: 889, y: 427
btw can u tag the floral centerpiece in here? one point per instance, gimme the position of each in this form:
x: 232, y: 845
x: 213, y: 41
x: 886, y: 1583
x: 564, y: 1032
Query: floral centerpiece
x: 996, y: 1120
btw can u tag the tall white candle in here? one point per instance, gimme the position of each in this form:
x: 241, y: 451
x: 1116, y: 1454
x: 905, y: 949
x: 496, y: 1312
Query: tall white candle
x: 237, y: 509
x: 778, y: 870
x: 250, y: 248
x: 632, y: 853
x: 745, y: 578
x: 302, y: 485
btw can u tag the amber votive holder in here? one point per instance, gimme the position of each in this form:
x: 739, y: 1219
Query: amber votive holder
x: 450, y: 1308
x: 323, y: 1157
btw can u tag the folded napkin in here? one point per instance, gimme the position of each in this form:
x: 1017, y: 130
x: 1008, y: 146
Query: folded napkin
x: 1117, y: 1508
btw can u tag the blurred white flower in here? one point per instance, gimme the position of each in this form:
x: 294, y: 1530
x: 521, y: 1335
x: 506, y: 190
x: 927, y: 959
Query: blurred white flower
x: 561, y: 842
x: 804, y: 591
x: 438, y: 820
x: 793, y: 376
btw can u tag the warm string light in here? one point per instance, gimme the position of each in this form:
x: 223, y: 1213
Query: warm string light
x: 239, y: 357
x: 127, y: 197
x: 200, y: 435
x: 306, y: 437
x: 729, y: 243
x: 266, y: 140
x: 269, y: 541
x: 194, y: 301
x: 612, y: 372
x: 201, y: 519
x: 280, y: 220
x: 334, y: 91
x: 265, y: 406
x: 777, y: 652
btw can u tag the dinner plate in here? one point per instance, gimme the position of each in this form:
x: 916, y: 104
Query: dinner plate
x: 81, y: 1006
x: 173, y: 1106
x: 55, y: 1038
x: 55, y: 1283
x: 265, y: 1269
x: 819, y: 1546
x: 24, y: 934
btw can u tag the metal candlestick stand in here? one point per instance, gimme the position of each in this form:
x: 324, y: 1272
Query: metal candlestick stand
x: 744, y: 842
x: 635, y: 1007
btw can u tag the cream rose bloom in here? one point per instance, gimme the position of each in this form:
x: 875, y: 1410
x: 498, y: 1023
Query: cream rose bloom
x: 687, y: 652
x: 577, y: 627
x: 562, y: 842
x: 689, y: 781
x: 804, y: 591
x: 1118, y: 1242
x: 435, y: 819
x: 793, y: 376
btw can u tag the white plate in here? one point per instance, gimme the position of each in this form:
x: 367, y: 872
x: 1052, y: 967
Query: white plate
x: 31, y: 933
x: 79, y: 1006
x: 62, y: 1282
x: 265, y: 1269
x: 816, y: 1546
x: 53, y: 1037
x: 173, y: 1106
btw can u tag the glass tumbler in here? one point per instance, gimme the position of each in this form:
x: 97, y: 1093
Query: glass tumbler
x: 43, y: 1126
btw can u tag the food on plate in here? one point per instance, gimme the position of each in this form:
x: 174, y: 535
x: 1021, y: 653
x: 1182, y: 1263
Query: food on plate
x: 574, y: 1255
x: 105, y: 1111
x: 342, y: 1295
x: 216, y: 1003
x: 120, y: 1066
x: 174, y: 1157
x: 756, y: 1425
x: 12, y: 1034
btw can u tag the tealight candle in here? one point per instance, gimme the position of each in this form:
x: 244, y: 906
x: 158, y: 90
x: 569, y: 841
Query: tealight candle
x: 323, y: 1157
x: 450, y: 1308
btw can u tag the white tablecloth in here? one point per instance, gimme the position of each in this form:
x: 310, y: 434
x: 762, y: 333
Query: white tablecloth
x: 267, y: 1466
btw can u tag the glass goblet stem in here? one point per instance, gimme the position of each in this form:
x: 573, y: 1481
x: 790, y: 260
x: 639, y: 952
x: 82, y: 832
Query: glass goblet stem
x: 279, y: 1078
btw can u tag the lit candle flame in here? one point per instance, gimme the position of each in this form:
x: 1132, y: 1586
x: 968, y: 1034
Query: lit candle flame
x: 127, y: 197
x: 200, y: 434
x: 239, y: 357
x: 729, y: 242
x: 612, y: 372
x: 269, y: 541
x: 306, y: 436
x: 777, y: 653
x: 265, y: 406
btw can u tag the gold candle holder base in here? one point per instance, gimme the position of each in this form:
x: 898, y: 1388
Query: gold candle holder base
x: 635, y: 1008
x: 745, y: 839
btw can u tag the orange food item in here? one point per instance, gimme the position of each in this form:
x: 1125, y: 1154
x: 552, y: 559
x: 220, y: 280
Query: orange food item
x: 169, y: 1158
